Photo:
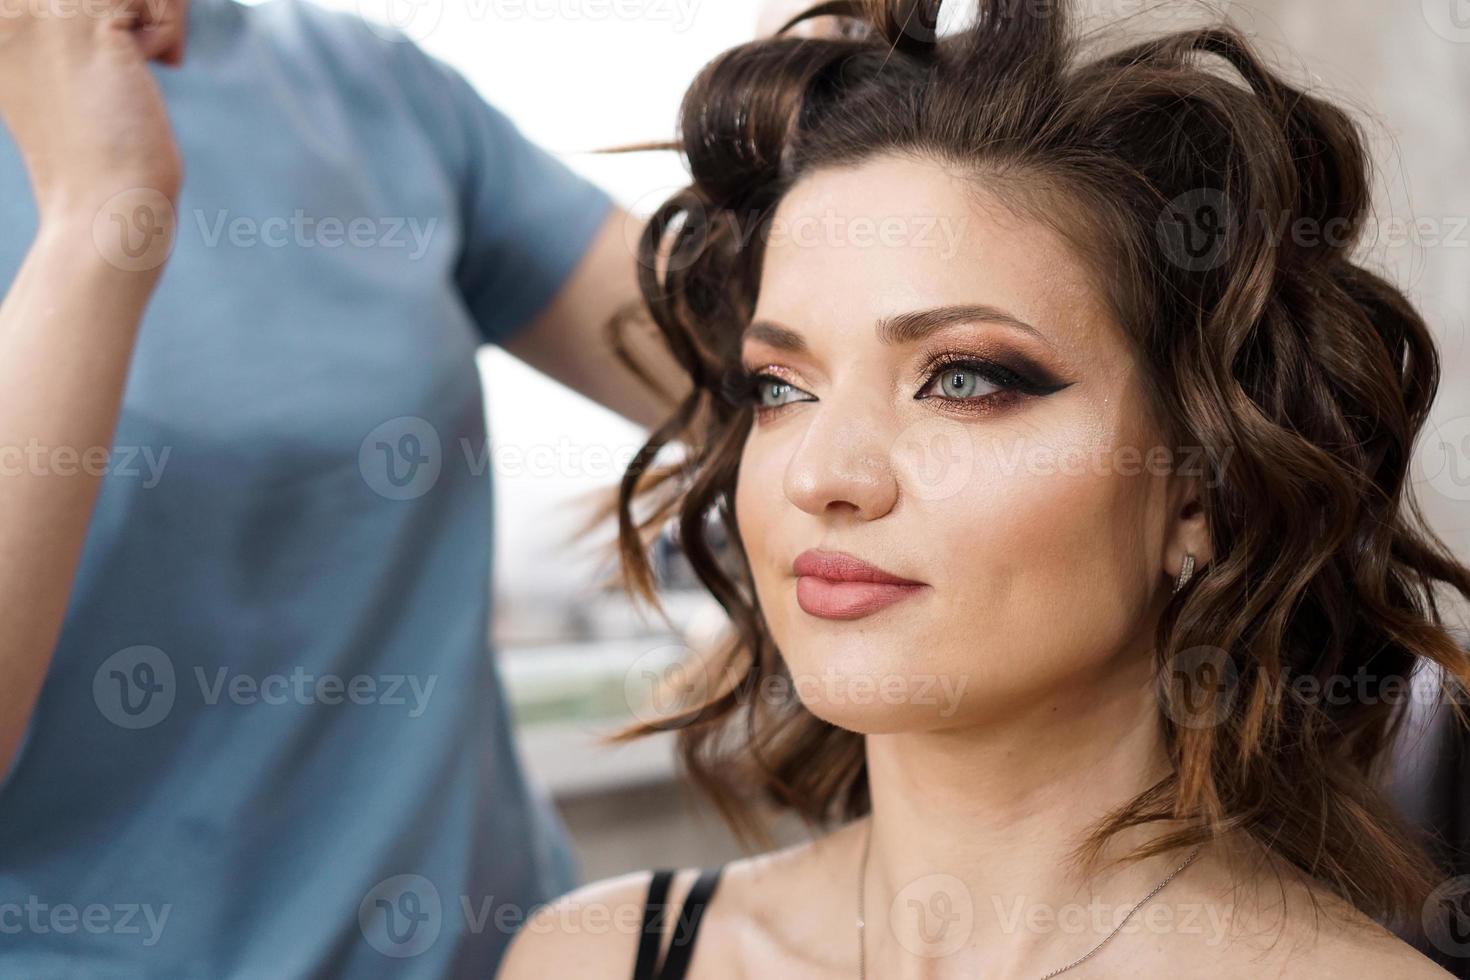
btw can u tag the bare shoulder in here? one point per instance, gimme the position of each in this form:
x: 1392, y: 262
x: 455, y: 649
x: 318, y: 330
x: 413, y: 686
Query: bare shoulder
x: 594, y: 931
x: 1349, y: 946
x: 776, y: 913
x: 1323, y: 937
x: 590, y: 932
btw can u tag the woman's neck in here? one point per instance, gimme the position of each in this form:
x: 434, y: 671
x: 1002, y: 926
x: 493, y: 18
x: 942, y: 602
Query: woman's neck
x: 973, y: 831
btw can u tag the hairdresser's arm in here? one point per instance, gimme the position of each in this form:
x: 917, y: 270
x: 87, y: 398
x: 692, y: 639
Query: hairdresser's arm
x: 77, y: 98
x: 569, y: 340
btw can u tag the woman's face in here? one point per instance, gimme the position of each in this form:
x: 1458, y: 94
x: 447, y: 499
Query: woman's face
x: 947, y: 398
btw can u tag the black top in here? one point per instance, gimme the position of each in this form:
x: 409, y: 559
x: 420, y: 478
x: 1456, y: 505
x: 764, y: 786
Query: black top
x: 685, y: 928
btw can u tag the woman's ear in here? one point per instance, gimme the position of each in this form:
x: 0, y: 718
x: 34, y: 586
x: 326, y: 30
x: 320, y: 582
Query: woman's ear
x: 1189, y: 529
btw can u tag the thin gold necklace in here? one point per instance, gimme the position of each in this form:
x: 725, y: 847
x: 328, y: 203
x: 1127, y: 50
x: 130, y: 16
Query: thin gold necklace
x: 861, y: 917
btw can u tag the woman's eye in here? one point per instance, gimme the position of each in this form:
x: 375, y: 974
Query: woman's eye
x: 768, y: 391
x: 771, y: 392
x: 962, y: 382
x: 973, y: 382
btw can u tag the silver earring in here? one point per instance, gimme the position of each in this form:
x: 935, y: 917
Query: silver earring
x: 1186, y: 572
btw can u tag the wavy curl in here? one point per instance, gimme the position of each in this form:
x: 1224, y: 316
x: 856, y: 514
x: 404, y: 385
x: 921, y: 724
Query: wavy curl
x: 1305, y: 377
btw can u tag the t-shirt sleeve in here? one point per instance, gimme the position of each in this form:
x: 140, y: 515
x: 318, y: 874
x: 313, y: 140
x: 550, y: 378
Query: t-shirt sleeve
x: 527, y: 218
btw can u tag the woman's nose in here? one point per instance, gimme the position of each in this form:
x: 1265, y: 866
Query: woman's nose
x: 843, y: 463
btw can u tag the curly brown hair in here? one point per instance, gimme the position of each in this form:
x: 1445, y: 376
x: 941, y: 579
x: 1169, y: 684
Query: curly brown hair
x: 1303, y: 375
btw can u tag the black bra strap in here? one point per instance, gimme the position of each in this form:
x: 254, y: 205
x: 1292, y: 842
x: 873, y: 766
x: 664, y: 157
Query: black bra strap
x: 653, y: 917
x: 681, y: 947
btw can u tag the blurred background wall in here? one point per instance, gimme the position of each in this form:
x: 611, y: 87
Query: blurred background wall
x: 577, y: 75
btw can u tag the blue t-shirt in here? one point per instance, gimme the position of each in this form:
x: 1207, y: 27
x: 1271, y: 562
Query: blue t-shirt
x: 273, y: 742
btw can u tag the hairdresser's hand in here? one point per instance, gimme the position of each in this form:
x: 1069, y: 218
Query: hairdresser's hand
x: 774, y: 13
x: 80, y: 103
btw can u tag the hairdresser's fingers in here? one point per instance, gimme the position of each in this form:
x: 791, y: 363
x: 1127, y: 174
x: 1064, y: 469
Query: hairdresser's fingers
x: 774, y: 13
x: 158, y: 26
x: 80, y: 103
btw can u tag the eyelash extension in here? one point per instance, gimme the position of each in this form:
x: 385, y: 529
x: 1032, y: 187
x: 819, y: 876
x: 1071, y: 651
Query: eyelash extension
x: 741, y: 386
x: 1006, y: 378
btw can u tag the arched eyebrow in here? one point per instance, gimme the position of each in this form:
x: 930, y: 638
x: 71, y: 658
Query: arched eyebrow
x: 775, y: 336
x: 908, y: 328
x: 901, y: 328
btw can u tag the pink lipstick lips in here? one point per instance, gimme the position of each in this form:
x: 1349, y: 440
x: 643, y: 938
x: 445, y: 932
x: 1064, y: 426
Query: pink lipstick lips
x: 836, y: 585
